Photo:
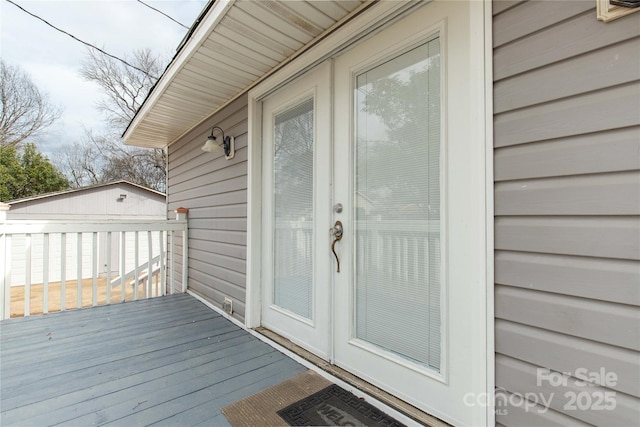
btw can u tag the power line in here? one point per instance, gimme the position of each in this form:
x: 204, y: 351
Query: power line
x: 82, y: 41
x: 162, y: 13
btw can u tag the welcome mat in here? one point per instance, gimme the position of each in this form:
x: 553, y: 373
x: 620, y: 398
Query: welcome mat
x: 334, y: 406
x: 261, y: 408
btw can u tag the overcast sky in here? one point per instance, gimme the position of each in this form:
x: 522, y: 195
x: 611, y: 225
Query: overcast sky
x: 53, y: 59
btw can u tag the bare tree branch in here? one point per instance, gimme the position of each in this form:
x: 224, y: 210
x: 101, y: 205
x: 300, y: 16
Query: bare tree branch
x: 125, y: 88
x: 103, y: 158
x: 25, y: 110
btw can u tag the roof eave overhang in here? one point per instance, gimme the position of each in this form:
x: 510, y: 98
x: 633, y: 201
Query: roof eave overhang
x: 200, y: 34
x: 197, y: 83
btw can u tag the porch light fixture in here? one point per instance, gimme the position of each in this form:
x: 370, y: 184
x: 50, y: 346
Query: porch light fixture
x: 226, y: 144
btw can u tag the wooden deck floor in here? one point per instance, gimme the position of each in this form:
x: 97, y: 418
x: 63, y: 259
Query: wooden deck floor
x: 164, y: 361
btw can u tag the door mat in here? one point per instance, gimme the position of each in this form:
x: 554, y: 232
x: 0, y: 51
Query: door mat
x: 335, y: 406
x: 261, y: 409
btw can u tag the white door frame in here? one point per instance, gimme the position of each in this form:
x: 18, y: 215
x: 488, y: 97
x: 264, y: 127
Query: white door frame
x: 481, y: 101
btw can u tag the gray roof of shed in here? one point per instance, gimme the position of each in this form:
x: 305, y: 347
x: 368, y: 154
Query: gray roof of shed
x: 78, y: 190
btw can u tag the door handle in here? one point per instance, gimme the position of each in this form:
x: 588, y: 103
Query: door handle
x: 336, y: 231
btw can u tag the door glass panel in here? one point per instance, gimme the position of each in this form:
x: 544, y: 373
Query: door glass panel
x: 293, y: 209
x: 397, y: 205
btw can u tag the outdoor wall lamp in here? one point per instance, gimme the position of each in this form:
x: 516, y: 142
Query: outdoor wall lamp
x: 227, y: 144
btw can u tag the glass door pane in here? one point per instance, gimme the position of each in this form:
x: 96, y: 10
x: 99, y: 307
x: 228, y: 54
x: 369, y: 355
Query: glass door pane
x: 293, y: 209
x: 397, y: 205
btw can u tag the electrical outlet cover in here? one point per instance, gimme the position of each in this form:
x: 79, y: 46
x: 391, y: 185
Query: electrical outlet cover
x: 228, y: 305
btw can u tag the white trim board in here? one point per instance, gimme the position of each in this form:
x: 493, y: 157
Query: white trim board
x: 489, y: 207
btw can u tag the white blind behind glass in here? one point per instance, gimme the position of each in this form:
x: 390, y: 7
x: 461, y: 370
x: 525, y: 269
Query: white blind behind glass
x: 397, y: 200
x: 293, y: 209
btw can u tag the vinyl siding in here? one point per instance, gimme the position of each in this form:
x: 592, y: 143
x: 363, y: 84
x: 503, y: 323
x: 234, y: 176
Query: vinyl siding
x: 567, y: 206
x: 93, y: 203
x: 215, y: 192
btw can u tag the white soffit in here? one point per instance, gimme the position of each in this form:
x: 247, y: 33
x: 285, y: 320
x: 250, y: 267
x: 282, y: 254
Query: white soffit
x: 236, y: 44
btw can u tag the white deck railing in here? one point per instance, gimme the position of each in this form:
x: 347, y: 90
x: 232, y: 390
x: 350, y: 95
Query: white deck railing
x: 111, y: 260
x: 400, y: 250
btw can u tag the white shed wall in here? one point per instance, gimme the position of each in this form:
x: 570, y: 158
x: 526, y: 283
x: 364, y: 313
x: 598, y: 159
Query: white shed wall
x: 96, y: 203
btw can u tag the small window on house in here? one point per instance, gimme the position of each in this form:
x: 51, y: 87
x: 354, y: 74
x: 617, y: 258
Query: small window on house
x: 608, y: 10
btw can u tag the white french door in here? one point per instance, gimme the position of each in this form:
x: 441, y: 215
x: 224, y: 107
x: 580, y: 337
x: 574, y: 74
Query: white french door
x: 296, y: 192
x: 387, y: 139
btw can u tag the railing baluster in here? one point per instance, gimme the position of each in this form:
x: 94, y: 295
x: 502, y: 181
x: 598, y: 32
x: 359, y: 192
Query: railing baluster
x: 415, y: 258
x: 79, y: 271
x: 6, y: 247
x: 123, y: 265
x: 45, y: 275
x: 94, y: 268
x: 108, y: 256
x: 63, y: 271
x: 157, y: 291
x: 161, y: 273
x: 135, y: 268
x: 149, y: 264
x: 27, y: 276
x: 171, y: 250
x: 405, y: 257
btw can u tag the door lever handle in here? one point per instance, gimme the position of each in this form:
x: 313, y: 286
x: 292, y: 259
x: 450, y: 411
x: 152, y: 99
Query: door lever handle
x: 336, y: 231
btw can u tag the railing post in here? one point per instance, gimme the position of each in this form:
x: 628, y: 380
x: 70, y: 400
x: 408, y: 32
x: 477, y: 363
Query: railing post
x: 181, y: 214
x: 5, y: 263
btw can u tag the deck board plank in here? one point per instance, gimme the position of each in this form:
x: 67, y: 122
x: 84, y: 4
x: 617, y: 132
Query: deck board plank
x: 117, y: 369
x: 82, y: 319
x: 199, y: 413
x: 53, y: 347
x: 113, y: 334
x: 221, y: 392
x: 165, y: 361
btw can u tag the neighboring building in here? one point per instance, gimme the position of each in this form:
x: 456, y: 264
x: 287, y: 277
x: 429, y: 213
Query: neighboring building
x: 497, y: 147
x: 117, y: 201
x: 113, y: 200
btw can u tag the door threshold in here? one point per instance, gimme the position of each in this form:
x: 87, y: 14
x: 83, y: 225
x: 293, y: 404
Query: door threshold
x: 354, y: 381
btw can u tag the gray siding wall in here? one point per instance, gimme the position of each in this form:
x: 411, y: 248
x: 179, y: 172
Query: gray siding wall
x: 567, y: 205
x: 215, y: 192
